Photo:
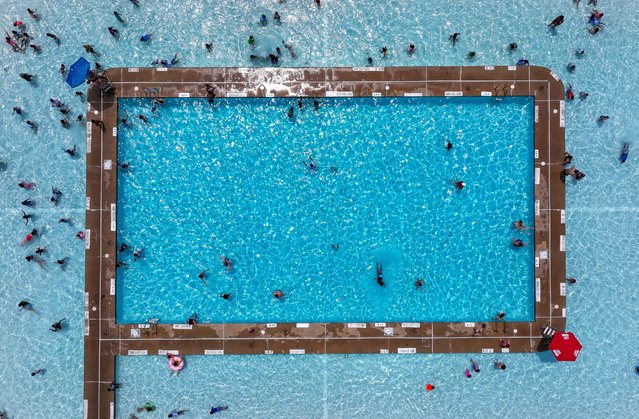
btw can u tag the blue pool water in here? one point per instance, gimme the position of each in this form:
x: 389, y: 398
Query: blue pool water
x: 602, y: 210
x: 233, y: 182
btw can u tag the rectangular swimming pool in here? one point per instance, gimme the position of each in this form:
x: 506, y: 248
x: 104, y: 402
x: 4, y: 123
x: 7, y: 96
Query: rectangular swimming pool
x: 234, y: 181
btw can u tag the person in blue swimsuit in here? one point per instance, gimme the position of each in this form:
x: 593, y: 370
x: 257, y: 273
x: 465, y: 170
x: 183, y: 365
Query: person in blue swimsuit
x: 215, y: 409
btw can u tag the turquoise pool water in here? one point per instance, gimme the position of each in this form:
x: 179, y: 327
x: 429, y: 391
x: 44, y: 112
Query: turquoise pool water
x: 235, y: 182
x: 602, y: 210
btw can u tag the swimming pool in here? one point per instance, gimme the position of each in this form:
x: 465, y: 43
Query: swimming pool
x: 601, y: 210
x: 235, y: 181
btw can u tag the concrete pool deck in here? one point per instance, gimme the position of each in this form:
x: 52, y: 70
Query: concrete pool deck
x: 105, y: 339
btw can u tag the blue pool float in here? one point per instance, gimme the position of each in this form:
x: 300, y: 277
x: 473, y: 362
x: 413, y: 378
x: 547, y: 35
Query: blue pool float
x: 624, y: 152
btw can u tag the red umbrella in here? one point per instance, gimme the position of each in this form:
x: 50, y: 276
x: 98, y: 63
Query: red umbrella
x: 565, y: 346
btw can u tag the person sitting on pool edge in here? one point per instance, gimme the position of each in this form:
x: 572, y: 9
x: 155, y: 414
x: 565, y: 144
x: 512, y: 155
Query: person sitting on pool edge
x: 378, y: 277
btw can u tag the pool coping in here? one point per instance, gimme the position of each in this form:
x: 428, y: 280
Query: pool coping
x: 105, y: 339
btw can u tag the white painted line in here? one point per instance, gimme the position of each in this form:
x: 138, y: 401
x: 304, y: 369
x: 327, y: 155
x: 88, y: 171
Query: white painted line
x: 302, y: 325
x: 543, y: 254
x: 135, y: 333
x: 297, y: 351
x: 487, y: 351
x: 112, y: 287
x: 453, y: 93
x: 377, y: 94
x: 563, y: 312
x: 405, y: 325
x: 112, y: 410
x: 380, y: 324
x: 236, y: 94
x: 554, y: 76
x: 562, y: 289
x: 86, y: 409
x: 469, y: 324
x: 563, y: 216
x: 87, y: 239
x: 562, y: 113
x: 108, y: 164
x: 271, y: 325
x: 537, y: 207
x: 406, y: 350
x: 538, y: 290
x: 484, y: 93
x: 113, y: 218
x: 87, y: 204
x: 168, y: 351
x: 333, y: 93
x: 182, y: 326
x: 505, y: 350
x: 537, y: 175
x: 268, y: 352
x: 512, y: 67
x: 184, y: 94
x: 383, y: 351
x: 416, y: 94
x: 134, y: 70
x: 138, y: 352
x: 536, y: 261
x: 536, y: 114
x: 356, y: 325
x: 115, y: 131
x: 536, y: 153
x: 562, y: 243
x: 368, y: 68
x: 162, y: 69
x: 489, y: 67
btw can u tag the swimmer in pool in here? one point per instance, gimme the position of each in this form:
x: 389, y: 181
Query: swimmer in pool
x: 311, y: 164
x: 518, y: 243
x: 379, y: 274
x: 202, y: 275
x: 228, y: 263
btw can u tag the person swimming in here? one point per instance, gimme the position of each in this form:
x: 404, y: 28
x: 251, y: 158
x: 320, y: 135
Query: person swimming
x: 215, y: 409
x: 448, y: 145
x: 419, y: 283
x: 379, y: 274
x: 279, y: 295
x: 556, y: 21
x: 25, y: 305
x: 569, y: 93
x: 57, y: 326
x: 624, y: 152
x: 137, y: 254
x: 458, y: 184
x: 311, y: 164
x: 228, y: 263
x: 518, y: 243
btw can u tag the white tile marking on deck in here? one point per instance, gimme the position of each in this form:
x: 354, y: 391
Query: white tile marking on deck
x: 112, y: 287
x: 302, y: 325
x: 563, y: 216
x: 112, y: 410
x: 268, y: 352
x: 269, y: 94
x: 554, y: 76
x: 415, y: 94
x: 538, y: 290
x: 87, y: 239
x: 86, y: 409
x: 489, y: 67
x: 536, y: 261
x: 297, y: 351
x: 135, y: 333
x: 380, y: 324
x: 536, y: 113
x: 543, y: 254
x: 87, y: 203
x: 562, y: 113
x: 484, y: 93
x: 334, y: 93
x: 406, y: 325
x: 184, y: 94
x: 562, y: 243
x: 86, y: 322
x: 214, y: 352
x: 469, y: 324
x: 562, y: 289
x: 453, y: 93
x: 271, y: 325
x: 563, y: 312
x: 487, y: 350
x: 536, y: 153
x: 162, y: 69
x: 356, y: 325
x: 537, y: 175
x: 505, y: 350
x: 537, y: 207
x: 182, y: 326
x: 88, y: 137
x: 113, y: 217
x: 406, y: 350
x: 512, y: 67
x: 377, y: 94
x: 134, y: 70
x: 144, y: 326
x: 115, y: 131
x: 368, y: 68
x: 383, y: 351
x: 236, y: 94
x: 388, y: 331
x: 168, y: 351
x: 138, y: 352
x: 108, y: 164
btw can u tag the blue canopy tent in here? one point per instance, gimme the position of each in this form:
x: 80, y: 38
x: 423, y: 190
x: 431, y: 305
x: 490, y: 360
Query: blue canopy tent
x: 78, y: 72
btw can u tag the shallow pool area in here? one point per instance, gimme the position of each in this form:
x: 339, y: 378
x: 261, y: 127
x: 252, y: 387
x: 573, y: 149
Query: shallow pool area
x: 235, y: 180
x: 601, y: 210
